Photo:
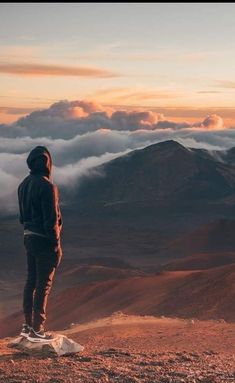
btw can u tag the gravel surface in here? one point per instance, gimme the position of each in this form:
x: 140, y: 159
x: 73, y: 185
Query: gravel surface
x: 133, y: 350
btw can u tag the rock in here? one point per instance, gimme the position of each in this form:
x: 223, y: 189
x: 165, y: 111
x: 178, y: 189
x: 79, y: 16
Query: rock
x: 61, y: 345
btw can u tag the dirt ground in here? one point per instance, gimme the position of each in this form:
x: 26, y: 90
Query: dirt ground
x: 132, y: 349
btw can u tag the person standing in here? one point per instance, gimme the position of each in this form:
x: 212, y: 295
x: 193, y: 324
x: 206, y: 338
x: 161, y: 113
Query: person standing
x: 40, y: 215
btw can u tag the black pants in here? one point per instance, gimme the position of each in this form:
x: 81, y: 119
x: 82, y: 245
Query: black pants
x: 42, y: 261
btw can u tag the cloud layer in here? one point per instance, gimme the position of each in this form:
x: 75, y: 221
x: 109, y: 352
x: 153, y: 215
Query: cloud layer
x: 82, y: 135
x: 35, y: 70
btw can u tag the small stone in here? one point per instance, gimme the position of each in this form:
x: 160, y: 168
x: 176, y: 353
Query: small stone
x: 85, y: 359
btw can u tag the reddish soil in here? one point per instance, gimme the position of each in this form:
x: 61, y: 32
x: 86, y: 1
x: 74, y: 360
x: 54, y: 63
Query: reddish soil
x: 203, y: 294
x: 201, y: 261
x: 214, y: 237
x: 132, y: 349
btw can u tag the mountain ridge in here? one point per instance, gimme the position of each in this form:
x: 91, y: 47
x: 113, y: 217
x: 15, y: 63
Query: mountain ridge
x: 166, y: 170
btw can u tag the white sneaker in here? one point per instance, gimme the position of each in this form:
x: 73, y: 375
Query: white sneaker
x: 25, y: 330
x: 40, y: 336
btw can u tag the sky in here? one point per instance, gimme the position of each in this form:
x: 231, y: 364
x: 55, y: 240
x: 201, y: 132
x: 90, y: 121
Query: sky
x: 172, y: 58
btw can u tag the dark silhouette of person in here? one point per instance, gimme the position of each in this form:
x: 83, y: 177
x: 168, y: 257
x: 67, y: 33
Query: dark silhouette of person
x: 41, y: 218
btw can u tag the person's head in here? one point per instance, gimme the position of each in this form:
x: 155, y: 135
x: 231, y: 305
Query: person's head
x: 39, y: 161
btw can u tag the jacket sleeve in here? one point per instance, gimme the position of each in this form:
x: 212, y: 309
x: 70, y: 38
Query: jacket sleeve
x: 52, y: 220
x: 21, y: 219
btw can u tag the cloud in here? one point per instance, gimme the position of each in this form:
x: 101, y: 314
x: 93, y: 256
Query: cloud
x: 21, y: 52
x: 15, y: 110
x: 8, y: 181
x: 213, y: 121
x: 139, y: 96
x: 209, y: 91
x: 225, y: 84
x: 67, y: 119
x: 147, y: 56
x: 196, y: 56
x: 38, y: 70
x: 81, y: 135
x: 71, y: 173
x: 9, y: 176
x: 136, y: 95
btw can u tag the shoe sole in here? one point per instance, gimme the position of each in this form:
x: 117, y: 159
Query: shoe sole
x: 37, y: 340
x: 24, y: 335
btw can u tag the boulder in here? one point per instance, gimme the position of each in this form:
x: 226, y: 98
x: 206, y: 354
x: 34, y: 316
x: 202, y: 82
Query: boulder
x: 60, y: 345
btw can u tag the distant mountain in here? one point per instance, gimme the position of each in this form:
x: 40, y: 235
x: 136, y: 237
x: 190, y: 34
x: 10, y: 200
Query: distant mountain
x: 227, y: 156
x: 163, y: 172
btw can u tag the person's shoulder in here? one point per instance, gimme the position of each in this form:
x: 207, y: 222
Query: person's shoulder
x: 48, y: 184
x: 45, y: 180
x: 23, y: 182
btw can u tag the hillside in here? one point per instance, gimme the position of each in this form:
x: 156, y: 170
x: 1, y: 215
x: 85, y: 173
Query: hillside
x: 214, y: 237
x: 204, y: 294
x: 200, y: 261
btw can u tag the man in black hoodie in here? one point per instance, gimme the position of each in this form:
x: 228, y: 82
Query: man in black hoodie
x: 41, y: 218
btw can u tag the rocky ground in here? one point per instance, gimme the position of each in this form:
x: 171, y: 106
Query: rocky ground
x: 132, y: 349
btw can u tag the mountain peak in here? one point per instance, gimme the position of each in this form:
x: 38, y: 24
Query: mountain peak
x: 164, y: 149
x: 168, y: 144
x: 172, y: 143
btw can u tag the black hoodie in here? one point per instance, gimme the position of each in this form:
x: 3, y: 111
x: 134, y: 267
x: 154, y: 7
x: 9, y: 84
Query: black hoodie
x: 39, y: 198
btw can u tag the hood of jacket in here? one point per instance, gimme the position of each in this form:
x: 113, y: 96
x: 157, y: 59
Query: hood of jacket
x: 39, y: 161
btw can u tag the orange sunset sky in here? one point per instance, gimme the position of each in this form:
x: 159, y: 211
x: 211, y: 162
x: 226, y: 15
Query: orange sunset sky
x: 177, y: 59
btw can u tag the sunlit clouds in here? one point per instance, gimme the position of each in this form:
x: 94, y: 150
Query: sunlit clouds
x: 25, y: 69
x: 225, y: 84
x: 83, y: 134
x: 134, y: 96
x: 213, y: 122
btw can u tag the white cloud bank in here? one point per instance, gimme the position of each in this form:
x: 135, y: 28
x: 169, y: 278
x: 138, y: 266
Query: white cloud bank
x: 81, y: 135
